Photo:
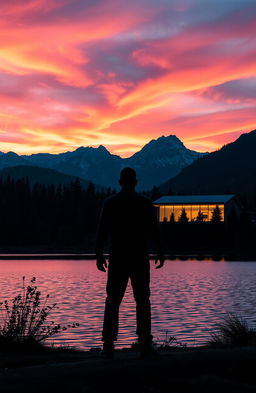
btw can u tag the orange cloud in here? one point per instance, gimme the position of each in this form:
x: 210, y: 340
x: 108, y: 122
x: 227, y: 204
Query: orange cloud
x: 78, y: 73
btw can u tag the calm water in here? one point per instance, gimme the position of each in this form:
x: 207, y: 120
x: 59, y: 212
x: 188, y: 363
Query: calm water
x: 188, y: 297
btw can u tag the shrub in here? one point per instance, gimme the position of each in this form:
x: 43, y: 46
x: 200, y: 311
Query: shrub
x: 25, y: 321
x: 233, y: 331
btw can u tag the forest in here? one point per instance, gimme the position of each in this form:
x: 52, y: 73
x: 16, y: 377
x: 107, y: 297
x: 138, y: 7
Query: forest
x: 64, y: 218
x: 48, y: 216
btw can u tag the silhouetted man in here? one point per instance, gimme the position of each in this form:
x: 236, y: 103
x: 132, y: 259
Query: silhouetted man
x: 128, y: 220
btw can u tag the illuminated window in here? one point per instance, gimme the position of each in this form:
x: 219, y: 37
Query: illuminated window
x: 168, y: 212
x: 188, y: 211
x: 194, y: 212
x: 161, y: 213
x: 165, y: 211
x: 222, y: 212
x: 205, y: 212
x: 213, y: 207
x: 177, y: 209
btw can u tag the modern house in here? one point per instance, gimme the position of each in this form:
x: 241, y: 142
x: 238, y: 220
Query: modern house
x: 168, y: 206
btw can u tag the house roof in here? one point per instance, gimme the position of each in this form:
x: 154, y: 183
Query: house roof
x: 193, y: 199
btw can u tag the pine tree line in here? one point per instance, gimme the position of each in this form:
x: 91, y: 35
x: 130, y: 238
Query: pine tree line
x: 53, y: 216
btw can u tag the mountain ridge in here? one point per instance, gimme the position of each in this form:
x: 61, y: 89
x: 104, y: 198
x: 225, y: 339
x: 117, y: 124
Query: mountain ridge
x: 231, y: 169
x: 157, y: 161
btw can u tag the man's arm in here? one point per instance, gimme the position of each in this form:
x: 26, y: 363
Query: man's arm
x: 101, y: 238
x: 156, y: 235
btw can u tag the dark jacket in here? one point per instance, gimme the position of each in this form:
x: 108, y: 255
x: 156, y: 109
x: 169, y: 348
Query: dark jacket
x: 128, y: 220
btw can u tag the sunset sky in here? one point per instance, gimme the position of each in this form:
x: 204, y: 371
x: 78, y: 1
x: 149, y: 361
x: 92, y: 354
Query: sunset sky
x: 121, y: 72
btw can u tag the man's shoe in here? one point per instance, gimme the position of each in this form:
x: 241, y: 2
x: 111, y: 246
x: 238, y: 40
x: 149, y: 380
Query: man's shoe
x: 108, y: 350
x: 147, y: 350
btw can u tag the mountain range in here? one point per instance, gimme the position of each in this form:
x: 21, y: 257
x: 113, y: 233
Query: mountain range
x: 164, y: 162
x: 155, y: 163
x: 231, y: 170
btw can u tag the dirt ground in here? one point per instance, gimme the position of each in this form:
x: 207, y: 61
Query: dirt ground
x: 200, y: 370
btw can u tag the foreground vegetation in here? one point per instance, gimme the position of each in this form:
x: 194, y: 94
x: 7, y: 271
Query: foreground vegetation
x: 24, y: 324
x: 233, y: 331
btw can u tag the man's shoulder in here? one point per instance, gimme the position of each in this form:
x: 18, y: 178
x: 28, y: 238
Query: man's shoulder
x: 121, y: 197
x: 111, y: 199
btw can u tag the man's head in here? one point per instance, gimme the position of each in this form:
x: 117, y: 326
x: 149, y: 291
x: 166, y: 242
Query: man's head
x: 128, y: 178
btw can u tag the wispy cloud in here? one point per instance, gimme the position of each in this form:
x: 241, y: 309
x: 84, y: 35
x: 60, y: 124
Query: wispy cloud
x: 74, y: 73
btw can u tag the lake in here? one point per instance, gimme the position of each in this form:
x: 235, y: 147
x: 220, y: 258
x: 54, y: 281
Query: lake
x: 188, y: 297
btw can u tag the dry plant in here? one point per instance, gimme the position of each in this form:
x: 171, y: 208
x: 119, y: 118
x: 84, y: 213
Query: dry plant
x: 25, y: 320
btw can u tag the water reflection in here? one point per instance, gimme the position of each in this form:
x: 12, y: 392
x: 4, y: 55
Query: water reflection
x: 188, y: 297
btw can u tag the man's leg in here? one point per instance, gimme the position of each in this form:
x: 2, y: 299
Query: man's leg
x: 116, y: 286
x: 140, y: 280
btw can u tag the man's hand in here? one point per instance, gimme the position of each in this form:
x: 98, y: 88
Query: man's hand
x: 101, y: 263
x: 160, y: 259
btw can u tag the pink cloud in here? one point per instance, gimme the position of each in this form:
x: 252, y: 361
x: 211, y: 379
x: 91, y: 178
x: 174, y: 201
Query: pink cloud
x: 76, y: 73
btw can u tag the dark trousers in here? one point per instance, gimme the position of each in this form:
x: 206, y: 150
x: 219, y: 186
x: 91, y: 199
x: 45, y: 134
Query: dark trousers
x: 118, y: 277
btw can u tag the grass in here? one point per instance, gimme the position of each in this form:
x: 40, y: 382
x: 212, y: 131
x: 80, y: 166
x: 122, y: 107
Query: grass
x: 233, y: 331
x: 166, y: 343
x: 169, y: 343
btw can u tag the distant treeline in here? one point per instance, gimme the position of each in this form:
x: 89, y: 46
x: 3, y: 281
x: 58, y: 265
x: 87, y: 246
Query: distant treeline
x: 58, y: 217
x: 50, y: 217
x: 208, y: 237
x: 65, y: 218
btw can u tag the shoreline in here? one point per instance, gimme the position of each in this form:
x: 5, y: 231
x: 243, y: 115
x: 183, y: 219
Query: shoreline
x: 200, y: 256
x: 185, y: 370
